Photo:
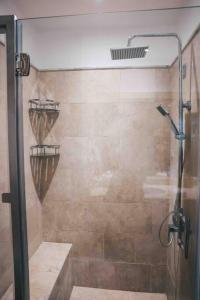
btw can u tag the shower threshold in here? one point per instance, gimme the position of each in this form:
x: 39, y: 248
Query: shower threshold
x: 84, y: 293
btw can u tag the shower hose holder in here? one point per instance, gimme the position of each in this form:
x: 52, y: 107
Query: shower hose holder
x: 180, y: 136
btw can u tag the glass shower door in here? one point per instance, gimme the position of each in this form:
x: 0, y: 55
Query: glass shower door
x: 13, y: 244
x: 6, y: 251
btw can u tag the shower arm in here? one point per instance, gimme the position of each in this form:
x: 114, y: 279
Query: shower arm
x: 181, y: 135
x: 174, y: 35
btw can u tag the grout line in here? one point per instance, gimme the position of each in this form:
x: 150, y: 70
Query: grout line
x: 104, y: 245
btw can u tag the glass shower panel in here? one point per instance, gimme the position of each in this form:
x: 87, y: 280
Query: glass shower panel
x: 100, y: 161
x: 6, y: 248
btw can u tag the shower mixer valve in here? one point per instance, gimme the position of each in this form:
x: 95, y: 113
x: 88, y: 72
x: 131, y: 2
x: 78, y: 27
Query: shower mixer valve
x: 181, y: 226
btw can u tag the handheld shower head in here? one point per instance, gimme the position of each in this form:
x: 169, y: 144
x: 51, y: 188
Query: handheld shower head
x: 162, y: 110
x: 166, y: 114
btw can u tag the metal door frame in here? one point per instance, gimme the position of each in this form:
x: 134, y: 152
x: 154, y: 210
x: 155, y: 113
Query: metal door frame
x: 197, y: 258
x: 16, y: 197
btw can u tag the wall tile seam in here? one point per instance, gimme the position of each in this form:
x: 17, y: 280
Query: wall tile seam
x: 151, y: 282
x: 129, y: 100
x: 97, y: 260
x: 98, y: 231
x: 124, y: 102
x: 171, y: 276
x: 134, y: 263
x: 136, y: 235
x: 101, y: 201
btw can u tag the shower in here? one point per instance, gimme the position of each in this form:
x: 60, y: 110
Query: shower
x: 180, y: 223
x: 99, y: 155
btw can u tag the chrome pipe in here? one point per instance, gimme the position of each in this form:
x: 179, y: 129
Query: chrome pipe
x: 177, y: 205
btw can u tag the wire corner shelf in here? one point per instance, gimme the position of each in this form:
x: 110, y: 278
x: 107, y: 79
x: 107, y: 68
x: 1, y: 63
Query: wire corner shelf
x: 47, y: 105
x: 45, y: 150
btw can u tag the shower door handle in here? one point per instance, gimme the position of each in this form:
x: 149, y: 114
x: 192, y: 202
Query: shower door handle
x: 6, y: 197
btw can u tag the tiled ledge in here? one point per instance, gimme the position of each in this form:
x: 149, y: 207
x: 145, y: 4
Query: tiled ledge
x: 81, y: 293
x: 45, y: 266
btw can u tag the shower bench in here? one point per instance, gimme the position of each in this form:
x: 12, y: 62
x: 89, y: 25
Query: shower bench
x: 50, y: 274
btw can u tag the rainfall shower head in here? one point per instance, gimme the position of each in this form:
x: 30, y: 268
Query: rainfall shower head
x: 166, y: 114
x: 128, y: 53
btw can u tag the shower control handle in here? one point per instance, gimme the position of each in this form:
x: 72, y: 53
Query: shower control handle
x: 172, y: 228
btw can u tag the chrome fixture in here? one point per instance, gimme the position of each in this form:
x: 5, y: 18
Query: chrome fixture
x: 178, y: 213
x: 177, y: 205
x: 128, y: 53
x: 166, y: 114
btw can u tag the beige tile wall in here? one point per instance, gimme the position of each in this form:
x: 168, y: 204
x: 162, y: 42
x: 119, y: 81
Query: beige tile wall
x: 184, y: 280
x: 110, y: 190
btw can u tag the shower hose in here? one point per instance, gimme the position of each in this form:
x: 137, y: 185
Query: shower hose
x: 175, y: 213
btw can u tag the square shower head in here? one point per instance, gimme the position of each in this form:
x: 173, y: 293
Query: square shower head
x: 128, y: 53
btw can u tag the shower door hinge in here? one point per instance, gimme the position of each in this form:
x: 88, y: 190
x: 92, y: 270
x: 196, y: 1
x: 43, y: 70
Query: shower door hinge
x: 22, y: 64
x: 6, y: 197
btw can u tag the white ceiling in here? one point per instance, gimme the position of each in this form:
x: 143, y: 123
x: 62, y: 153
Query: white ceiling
x: 84, y: 41
x: 41, y: 8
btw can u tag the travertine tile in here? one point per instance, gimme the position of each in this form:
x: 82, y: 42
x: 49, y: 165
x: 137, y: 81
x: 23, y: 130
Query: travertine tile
x: 79, y: 87
x: 120, y: 247
x: 123, y: 186
x: 111, y: 148
x: 128, y: 218
x: 159, y: 279
x: 85, y: 243
x: 102, y: 216
x: 80, y: 293
x: 45, y: 266
x: 80, y: 216
x: 134, y: 277
x: 75, y: 120
x: 149, y: 250
x: 101, y: 273
x: 49, y: 273
x: 95, y: 273
x: 104, y: 274
x: 160, y: 209
x: 81, y: 273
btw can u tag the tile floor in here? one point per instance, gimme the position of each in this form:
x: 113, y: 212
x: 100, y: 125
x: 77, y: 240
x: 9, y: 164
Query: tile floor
x: 82, y: 293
